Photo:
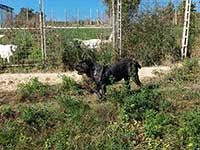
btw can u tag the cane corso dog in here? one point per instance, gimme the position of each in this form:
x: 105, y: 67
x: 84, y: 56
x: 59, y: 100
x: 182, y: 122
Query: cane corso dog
x: 105, y: 75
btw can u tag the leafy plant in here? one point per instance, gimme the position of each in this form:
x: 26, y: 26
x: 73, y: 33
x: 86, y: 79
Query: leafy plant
x: 155, y: 124
x: 71, y: 106
x: 138, y: 103
x: 189, y: 131
x: 73, y: 53
x: 35, y: 117
x: 70, y: 86
x: 33, y: 90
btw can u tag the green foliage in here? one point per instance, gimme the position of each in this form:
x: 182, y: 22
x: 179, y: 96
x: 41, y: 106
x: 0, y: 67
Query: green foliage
x: 156, y: 124
x: 117, y: 136
x: 72, y: 107
x: 5, y: 111
x: 147, y: 118
x: 73, y: 53
x: 152, y: 42
x: 189, y: 131
x: 34, y: 90
x: 105, y: 56
x: 191, y: 65
x: 26, y: 46
x: 136, y: 105
x: 189, y: 72
x: 70, y: 86
x: 9, y: 134
x: 117, y: 95
x: 35, y: 117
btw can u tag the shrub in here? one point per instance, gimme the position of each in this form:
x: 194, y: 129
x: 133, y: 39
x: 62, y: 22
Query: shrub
x: 33, y: 90
x: 7, y: 113
x: 24, y: 41
x: 73, y: 53
x: 151, y: 38
x: 116, y: 95
x: 191, y: 64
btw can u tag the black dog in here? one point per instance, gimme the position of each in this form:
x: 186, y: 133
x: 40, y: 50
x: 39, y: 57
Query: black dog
x: 105, y: 75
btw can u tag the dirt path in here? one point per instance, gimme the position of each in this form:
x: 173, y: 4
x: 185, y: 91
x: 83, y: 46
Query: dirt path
x: 9, y: 82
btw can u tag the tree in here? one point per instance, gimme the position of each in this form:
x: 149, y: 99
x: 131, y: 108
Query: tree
x: 26, y: 17
x: 129, y: 7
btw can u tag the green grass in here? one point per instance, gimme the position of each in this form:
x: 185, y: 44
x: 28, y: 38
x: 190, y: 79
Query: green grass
x: 29, y: 49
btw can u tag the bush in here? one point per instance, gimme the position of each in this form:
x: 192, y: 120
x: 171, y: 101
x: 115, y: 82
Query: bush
x: 33, y: 90
x: 73, y: 53
x: 191, y: 64
x: 117, y: 95
x: 117, y: 136
x: 25, y: 43
x: 151, y: 38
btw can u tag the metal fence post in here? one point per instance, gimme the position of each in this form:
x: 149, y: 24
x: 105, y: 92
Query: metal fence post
x: 42, y: 31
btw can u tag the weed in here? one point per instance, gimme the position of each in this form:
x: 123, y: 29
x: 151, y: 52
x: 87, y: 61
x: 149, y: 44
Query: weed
x: 189, y: 131
x: 70, y: 86
x: 33, y: 90
x: 72, y: 107
x: 137, y: 104
x: 35, y: 117
x: 155, y: 124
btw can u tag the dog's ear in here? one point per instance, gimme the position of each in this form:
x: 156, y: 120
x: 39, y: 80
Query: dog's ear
x: 89, y: 62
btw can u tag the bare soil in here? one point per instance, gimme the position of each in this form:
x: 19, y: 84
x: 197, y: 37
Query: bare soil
x: 9, y: 82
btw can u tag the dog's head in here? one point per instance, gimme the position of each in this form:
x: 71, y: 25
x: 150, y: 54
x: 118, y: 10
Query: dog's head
x: 84, y: 66
x: 13, y: 47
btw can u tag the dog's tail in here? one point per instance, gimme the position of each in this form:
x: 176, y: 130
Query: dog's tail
x: 136, y: 64
x: 135, y: 67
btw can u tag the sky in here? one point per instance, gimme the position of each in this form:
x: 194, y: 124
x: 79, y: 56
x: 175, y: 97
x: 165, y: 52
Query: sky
x: 57, y: 9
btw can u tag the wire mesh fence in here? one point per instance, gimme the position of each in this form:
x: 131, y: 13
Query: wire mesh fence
x: 20, y: 25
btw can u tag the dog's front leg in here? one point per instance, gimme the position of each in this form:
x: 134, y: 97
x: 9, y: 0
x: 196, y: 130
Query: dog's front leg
x: 99, y: 91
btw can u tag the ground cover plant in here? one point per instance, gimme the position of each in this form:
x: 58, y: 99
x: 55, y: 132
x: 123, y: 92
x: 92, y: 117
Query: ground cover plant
x: 153, y: 117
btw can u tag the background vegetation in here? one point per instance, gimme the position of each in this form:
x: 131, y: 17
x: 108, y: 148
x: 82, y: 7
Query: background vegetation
x: 151, y: 35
